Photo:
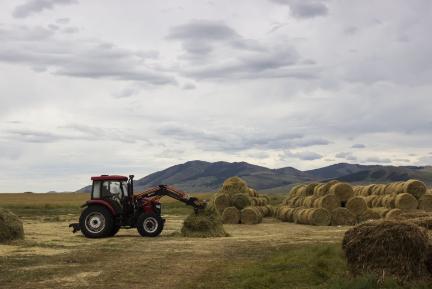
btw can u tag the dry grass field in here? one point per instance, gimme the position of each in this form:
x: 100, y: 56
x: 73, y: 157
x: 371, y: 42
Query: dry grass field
x: 268, y: 255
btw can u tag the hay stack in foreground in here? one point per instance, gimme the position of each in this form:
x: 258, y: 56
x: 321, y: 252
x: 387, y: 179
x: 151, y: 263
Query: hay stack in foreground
x: 203, y: 224
x: 387, y: 248
x: 11, y: 227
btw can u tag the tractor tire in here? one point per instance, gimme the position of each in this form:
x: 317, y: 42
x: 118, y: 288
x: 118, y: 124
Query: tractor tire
x: 149, y: 225
x: 115, y: 230
x: 96, y: 222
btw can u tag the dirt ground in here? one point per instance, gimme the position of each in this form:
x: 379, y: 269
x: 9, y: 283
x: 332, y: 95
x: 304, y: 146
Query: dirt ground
x: 52, y: 257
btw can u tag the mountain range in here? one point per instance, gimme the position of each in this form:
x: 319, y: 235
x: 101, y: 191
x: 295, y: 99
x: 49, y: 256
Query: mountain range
x: 201, y: 176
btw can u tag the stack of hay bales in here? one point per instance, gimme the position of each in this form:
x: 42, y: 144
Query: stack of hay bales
x: 239, y: 204
x: 396, y: 199
x: 388, y: 248
x: 11, y: 227
x: 322, y: 204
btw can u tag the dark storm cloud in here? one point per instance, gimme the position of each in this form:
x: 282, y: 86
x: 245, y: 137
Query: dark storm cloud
x: 305, y: 8
x: 204, y: 30
x: 30, y: 7
x: 42, y: 49
x: 226, y: 140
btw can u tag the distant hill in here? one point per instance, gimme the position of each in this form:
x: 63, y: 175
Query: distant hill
x: 201, y: 176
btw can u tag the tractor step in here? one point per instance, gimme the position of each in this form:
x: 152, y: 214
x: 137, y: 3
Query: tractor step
x: 75, y: 226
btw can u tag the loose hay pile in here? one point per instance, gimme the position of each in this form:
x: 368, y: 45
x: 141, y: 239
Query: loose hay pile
x: 237, y: 203
x: 203, y: 224
x: 383, y: 248
x: 11, y: 227
x: 349, y: 205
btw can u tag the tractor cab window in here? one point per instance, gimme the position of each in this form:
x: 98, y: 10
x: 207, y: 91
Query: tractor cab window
x: 124, y: 187
x: 115, y: 189
x: 96, y: 190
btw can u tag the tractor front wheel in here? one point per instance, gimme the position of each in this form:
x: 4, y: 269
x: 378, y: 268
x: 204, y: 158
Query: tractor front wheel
x: 96, y: 222
x: 149, y: 225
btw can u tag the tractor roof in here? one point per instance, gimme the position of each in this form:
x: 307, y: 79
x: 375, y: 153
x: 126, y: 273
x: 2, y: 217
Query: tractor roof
x: 109, y: 178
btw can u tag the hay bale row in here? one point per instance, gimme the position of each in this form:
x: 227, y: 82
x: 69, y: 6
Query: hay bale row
x: 415, y: 188
x: 232, y: 215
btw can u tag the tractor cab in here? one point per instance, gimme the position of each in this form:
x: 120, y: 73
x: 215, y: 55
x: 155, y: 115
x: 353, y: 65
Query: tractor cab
x: 116, y: 190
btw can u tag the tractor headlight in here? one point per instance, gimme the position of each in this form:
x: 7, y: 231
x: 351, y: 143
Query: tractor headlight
x: 158, y: 206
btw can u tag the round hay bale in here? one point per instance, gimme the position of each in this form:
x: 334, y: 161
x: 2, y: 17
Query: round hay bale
x: 250, y: 215
x: 368, y: 215
x: 378, y: 201
x: 293, y: 191
x: 300, y: 216
x: 381, y: 211
x: 319, y: 217
x: 357, y: 205
x: 425, y: 202
x: 388, y: 201
x: 207, y: 223
x: 252, y: 192
x: 414, y: 187
x: 367, y: 190
x: 342, y: 217
x: 221, y: 202
x: 308, y: 201
x: 393, y: 214
x: 396, y: 249
x: 241, y: 201
x: 324, y: 188
x: 299, y: 202
x: 317, y: 189
x: 379, y: 189
x: 281, y: 213
x: 309, y: 189
x: 406, y: 201
x: 271, y: 210
x: 370, y: 199
x: 301, y: 192
x: 11, y: 227
x: 329, y: 202
x: 342, y: 191
x: 231, y: 215
x: 234, y: 185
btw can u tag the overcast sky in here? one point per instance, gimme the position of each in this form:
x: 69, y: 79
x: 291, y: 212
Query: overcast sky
x: 97, y: 86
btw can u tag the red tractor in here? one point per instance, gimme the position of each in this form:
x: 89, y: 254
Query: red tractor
x: 113, y: 205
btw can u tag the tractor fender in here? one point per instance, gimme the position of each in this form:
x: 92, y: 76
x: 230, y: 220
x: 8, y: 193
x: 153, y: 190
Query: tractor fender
x: 100, y: 203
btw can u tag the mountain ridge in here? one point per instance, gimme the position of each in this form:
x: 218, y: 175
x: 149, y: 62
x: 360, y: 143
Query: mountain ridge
x: 202, y: 176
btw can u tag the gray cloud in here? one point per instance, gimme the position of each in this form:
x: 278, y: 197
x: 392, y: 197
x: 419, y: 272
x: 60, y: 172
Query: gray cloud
x: 302, y: 155
x: 43, y: 50
x: 35, y: 6
x: 358, y: 146
x: 305, y: 8
x: 213, y: 50
x: 189, y: 86
x: 378, y: 160
x: 346, y: 155
x: 231, y: 140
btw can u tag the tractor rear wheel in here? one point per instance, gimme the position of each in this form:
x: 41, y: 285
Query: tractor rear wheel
x: 96, y: 222
x: 149, y: 225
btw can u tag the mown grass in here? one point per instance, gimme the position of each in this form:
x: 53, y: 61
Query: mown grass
x: 306, y: 266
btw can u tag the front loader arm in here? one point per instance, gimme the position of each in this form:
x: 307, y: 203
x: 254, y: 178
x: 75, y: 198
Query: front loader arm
x: 164, y: 190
